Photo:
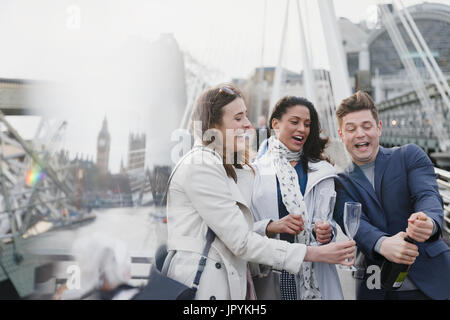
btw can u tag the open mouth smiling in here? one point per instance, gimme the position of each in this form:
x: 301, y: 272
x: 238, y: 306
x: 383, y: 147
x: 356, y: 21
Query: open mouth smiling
x: 362, y: 145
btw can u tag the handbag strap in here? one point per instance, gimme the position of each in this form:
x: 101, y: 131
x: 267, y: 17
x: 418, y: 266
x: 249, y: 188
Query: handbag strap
x: 166, y: 190
x: 210, y: 235
x: 178, y: 164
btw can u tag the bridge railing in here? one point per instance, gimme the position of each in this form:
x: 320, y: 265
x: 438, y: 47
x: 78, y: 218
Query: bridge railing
x: 54, y: 265
x: 443, y: 180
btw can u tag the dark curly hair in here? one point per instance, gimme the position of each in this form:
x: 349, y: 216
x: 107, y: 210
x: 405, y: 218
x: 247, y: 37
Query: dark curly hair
x: 314, y: 145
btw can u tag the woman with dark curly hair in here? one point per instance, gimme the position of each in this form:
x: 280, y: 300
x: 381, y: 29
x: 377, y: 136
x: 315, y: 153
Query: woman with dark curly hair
x: 293, y: 200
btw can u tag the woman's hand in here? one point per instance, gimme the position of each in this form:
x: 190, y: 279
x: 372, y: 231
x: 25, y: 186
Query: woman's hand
x: 323, y: 231
x: 332, y: 253
x: 291, y: 224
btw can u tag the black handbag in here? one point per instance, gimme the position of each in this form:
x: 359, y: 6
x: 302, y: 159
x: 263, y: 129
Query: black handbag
x: 161, y: 287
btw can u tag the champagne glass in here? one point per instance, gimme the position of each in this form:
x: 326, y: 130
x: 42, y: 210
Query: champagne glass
x: 325, y: 202
x: 352, y: 216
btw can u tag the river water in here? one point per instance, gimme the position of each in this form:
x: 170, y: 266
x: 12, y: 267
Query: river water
x: 136, y: 227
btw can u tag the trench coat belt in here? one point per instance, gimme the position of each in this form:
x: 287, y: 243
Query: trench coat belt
x: 191, y: 244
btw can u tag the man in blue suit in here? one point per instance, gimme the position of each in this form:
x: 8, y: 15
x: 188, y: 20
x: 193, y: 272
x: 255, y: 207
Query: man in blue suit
x: 399, y: 195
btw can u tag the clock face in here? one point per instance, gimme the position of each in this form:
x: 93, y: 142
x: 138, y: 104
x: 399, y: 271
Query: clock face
x: 101, y: 143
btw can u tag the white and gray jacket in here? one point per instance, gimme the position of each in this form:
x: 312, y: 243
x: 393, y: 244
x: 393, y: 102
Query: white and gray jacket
x: 264, y: 207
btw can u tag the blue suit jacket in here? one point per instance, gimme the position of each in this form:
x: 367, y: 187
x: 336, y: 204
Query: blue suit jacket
x: 405, y: 183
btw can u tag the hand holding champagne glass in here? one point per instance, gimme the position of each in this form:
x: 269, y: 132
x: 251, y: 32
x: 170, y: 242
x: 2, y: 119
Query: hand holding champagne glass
x: 322, y: 226
x: 352, y: 216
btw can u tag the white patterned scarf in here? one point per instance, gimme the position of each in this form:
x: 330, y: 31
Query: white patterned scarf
x: 292, y: 198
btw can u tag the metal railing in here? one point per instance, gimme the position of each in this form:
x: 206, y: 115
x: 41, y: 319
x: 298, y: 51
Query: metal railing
x: 61, y: 278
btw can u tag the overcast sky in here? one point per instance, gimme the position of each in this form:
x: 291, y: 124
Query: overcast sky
x: 74, y: 40
x: 227, y: 33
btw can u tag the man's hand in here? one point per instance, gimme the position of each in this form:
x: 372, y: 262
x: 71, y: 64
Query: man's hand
x: 291, y: 224
x: 420, y: 227
x: 323, y: 231
x: 397, y: 250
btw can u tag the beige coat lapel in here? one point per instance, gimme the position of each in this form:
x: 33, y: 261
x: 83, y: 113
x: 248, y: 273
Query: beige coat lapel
x: 236, y: 193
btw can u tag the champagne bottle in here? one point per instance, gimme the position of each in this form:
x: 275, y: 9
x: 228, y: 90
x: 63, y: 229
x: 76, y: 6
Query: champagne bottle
x: 393, y: 274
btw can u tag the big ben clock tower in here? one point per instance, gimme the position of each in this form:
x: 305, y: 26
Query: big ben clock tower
x: 103, y: 144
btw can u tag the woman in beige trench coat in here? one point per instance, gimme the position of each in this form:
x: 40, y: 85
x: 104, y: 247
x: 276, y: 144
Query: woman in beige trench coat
x: 211, y: 188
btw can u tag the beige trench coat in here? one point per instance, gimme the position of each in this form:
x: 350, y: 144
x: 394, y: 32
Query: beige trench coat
x: 201, y: 195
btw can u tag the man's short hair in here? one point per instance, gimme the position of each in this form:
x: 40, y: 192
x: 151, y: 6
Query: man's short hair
x: 358, y: 101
